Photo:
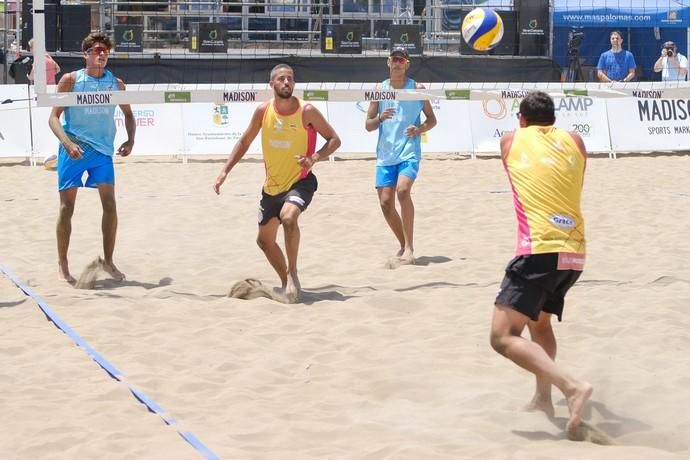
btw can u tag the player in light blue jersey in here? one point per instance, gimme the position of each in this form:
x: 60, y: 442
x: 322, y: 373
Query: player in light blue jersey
x: 86, y: 146
x: 399, y: 152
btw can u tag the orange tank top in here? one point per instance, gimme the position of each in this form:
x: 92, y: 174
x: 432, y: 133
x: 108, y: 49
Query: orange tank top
x: 546, y: 171
x: 283, y: 137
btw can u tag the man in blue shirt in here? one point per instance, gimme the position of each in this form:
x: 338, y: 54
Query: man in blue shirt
x: 87, y: 146
x: 616, y: 64
x: 398, y: 152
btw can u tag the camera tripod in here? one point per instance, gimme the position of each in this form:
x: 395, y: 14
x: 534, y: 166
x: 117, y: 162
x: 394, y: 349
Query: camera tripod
x: 574, y: 72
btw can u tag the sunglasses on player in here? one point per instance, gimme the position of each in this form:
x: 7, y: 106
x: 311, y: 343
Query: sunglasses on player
x: 98, y: 50
x: 399, y: 60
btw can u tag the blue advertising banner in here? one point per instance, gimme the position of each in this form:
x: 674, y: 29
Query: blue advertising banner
x: 621, y: 14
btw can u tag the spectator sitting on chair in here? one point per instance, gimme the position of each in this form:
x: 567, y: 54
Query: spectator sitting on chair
x: 616, y: 64
x: 52, y: 67
x: 672, y: 65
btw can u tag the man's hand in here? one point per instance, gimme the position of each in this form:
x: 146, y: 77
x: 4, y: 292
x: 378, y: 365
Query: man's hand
x: 305, y: 162
x: 387, y: 114
x: 72, y: 149
x: 126, y: 148
x: 413, y: 131
x: 219, y: 181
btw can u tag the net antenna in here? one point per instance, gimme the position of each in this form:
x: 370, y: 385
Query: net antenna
x: 39, y: 31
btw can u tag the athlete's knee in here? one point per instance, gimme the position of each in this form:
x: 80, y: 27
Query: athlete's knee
x: 289, y: 220
x: 404, y: 194
x: 263, y: 243
x: 498, y: 342
x: 109, y: 204
x: 387, y: 205
x: 66, y: 209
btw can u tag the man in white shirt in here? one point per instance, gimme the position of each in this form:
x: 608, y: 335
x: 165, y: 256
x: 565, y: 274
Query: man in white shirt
x: 672, y: 65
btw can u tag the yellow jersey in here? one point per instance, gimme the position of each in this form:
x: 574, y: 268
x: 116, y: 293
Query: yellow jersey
x: 546, y: 169
x: 283, y: 137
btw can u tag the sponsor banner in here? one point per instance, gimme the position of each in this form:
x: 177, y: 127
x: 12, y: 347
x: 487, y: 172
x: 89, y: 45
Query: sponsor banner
x: 408, y: 36
x: 533, y: 27
x: 348, y: 118
x: 128, y: 38
x: 45, y: 142
x: 491, y: 118
x: 213, y: 129
x: 15, y: 136
x: 451, y: 134
x: 178, y: 96
x: 159, y: 129
x: 649, y: 124
x: 315, y: 95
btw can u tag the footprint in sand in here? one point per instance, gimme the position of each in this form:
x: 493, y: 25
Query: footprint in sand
x: 586, y: 432
x: 88, y: 277
x: 251, y: 288
x: 395, y: 262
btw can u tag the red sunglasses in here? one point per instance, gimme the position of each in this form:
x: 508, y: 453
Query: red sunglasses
x: 399, y: 60
x: 98, y: 50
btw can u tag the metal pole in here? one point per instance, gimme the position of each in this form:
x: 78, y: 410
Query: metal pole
x: 39, y: 47
x: 4, y: 44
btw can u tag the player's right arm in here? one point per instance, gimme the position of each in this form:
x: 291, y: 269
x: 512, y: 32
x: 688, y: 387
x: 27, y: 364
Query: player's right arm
x: 373, y: 119
x: 242, y: 145
x: 65, y: 85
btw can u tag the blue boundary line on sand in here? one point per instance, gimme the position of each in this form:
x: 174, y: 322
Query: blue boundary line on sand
x: 109, y: 368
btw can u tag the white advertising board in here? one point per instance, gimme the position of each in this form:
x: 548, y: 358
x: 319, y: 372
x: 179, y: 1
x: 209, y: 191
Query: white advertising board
x: 587, y: 116
x: 649, y: 124
x: 15, y: 132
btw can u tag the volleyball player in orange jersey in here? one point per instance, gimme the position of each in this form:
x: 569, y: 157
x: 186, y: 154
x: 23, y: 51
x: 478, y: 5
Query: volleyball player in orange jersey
x: 288, y: 128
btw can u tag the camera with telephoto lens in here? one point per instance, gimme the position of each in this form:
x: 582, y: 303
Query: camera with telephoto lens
x: 574, y: 41
x: 669, y: 52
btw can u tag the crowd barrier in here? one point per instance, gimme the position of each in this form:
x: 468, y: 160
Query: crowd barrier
x: 646, y: 120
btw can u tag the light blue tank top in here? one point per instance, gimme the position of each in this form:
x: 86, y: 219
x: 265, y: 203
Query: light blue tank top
x: 94, y: 124
x: 394, y: 146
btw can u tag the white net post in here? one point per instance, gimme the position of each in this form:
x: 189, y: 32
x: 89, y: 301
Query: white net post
x: 39, y: 46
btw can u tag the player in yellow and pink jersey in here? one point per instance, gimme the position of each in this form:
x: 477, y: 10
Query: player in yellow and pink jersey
x: 288, y: 137
x: 545, y: 166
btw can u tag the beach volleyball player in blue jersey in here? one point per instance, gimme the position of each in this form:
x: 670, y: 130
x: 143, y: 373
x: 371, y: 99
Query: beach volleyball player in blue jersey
x: 87, y: 146
x: 399, y: 152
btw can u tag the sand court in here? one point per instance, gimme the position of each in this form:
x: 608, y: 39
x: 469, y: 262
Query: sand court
x: 372, y: 363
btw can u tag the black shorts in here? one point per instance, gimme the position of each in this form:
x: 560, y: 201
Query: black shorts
x: 533, y: 284
x: 300, y: 195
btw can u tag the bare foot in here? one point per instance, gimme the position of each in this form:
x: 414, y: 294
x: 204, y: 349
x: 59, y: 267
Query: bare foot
x: 407, y: 258
x: 64, y: 274
x: 400, y: 252
x: 113, y: 271
x: 576, y: 402
x: 293, y: 288
x: 541, y: 403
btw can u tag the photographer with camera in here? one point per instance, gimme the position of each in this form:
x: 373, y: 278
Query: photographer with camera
x: 672, y: 65
x: 616, y: 64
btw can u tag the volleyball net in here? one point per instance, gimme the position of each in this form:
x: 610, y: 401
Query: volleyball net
x: 183, y: 118
x: 184, y: 51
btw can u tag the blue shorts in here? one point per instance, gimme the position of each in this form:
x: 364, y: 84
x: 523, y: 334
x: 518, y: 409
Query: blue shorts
x: 387, y: 176
x: 70, y: 172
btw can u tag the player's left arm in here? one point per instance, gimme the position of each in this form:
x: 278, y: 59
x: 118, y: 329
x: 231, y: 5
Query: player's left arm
x: 130, y: 125
x: 313, y: 117
x: 429, y: 121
